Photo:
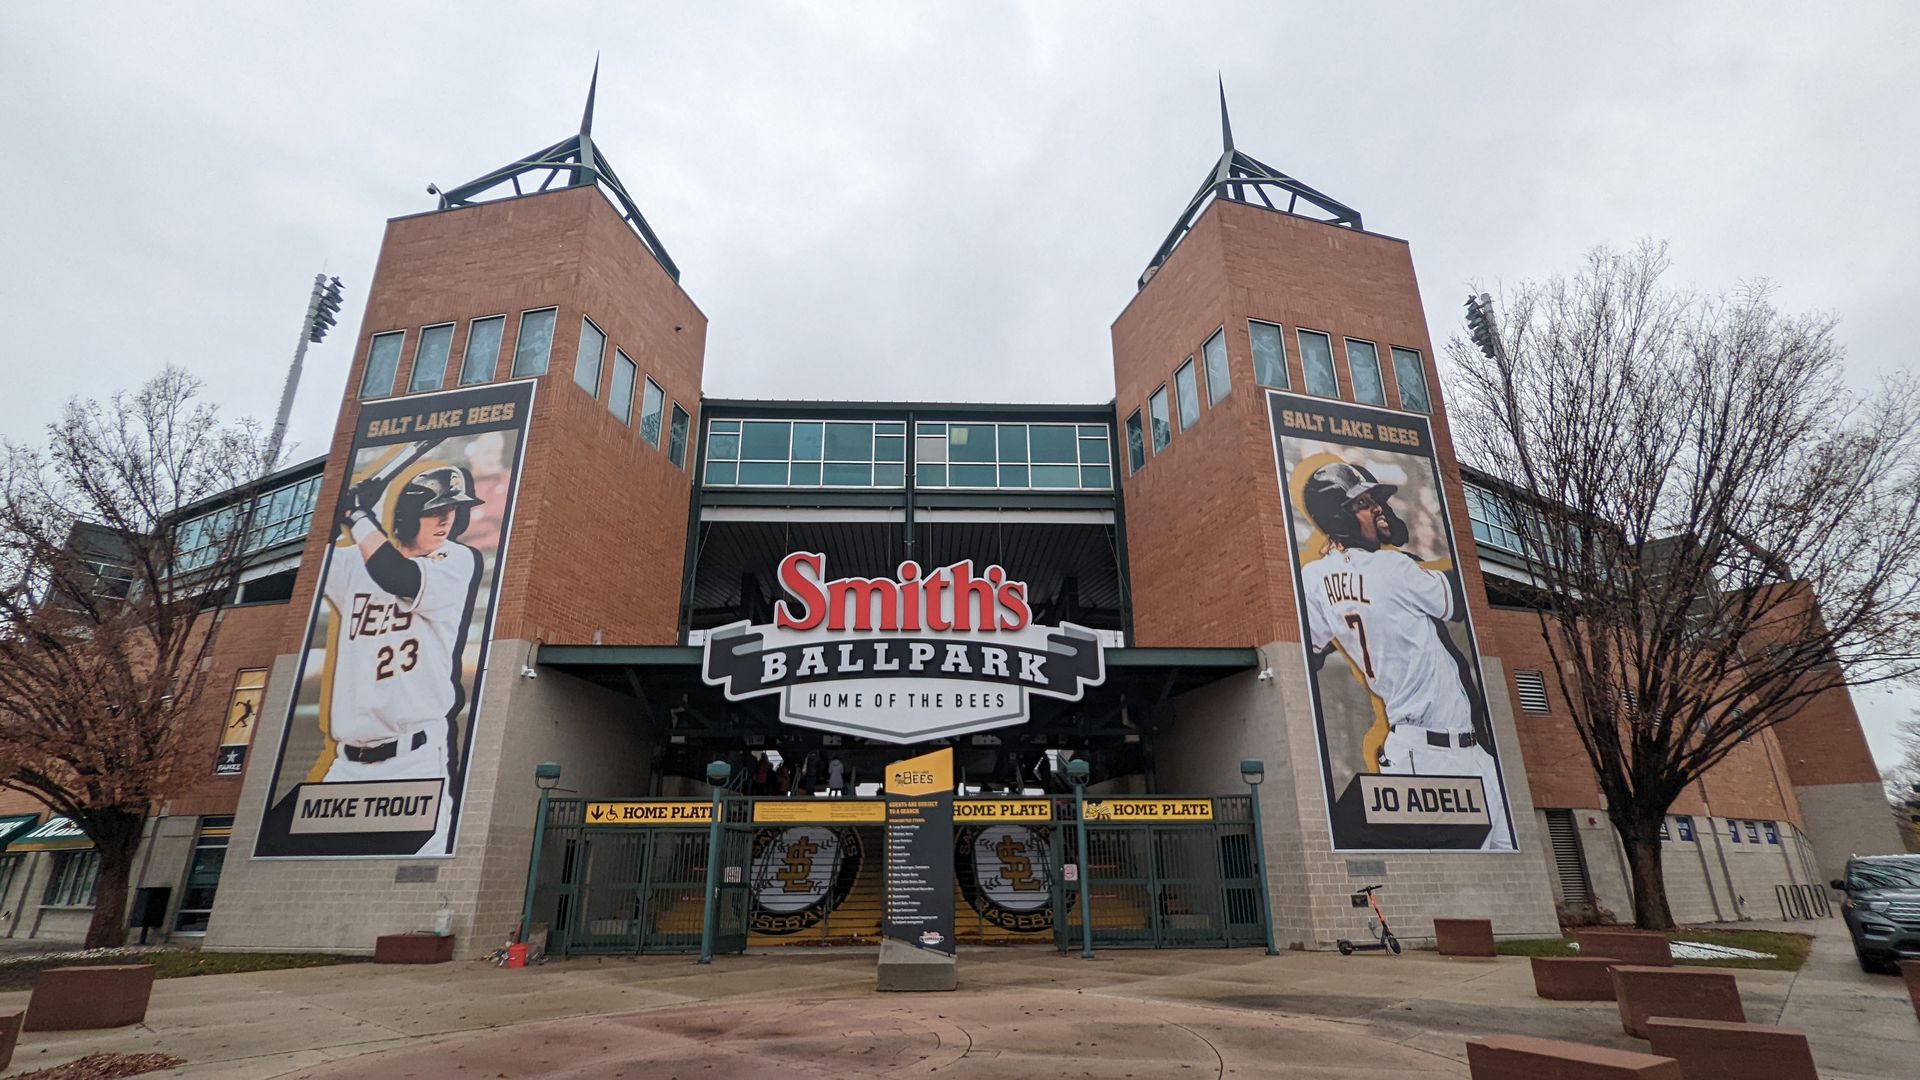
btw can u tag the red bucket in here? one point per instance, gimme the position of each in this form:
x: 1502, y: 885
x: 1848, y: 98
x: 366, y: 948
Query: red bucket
x: 517, y: 955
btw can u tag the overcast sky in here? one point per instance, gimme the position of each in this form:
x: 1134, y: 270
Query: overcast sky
x: 884, y: 201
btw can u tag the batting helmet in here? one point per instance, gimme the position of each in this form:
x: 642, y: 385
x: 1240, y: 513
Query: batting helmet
x: 1330, y: 493
x: 434, y: 489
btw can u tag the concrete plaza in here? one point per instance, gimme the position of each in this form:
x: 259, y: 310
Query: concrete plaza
x: 1019, y: 1013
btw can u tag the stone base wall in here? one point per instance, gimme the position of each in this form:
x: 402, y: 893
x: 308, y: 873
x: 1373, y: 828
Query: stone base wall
x: 342, y: 905
x: 1243, y: 717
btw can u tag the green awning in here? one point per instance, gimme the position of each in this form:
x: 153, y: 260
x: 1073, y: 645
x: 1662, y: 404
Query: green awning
x: 58, y: 834
x: 15, y: 824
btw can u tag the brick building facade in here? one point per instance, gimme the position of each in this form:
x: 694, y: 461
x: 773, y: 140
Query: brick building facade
x: 645, y: 519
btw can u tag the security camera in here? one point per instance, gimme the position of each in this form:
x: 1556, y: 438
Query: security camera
x: 433, y: 189
x: 1266, y: 674
x: 527, y: 671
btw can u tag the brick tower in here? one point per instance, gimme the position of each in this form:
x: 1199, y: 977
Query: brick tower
x: 1264, y: 283
x: 545, y: 270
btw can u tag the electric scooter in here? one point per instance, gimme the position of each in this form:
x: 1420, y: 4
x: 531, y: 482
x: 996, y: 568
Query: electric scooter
x: 1384, y: 941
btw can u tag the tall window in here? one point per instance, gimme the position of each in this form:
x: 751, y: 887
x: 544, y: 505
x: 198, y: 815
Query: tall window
x: 677, y: 437
x: 1187, y: 390
x: 1684, y: 825
x: 1411, y: 375
x: 1219, y: 379
x: 383, y: 363
x: 586, y: 366
x: 75, y: 874
x: 430, y: 362
x: 1269, y: 354
x: 9, y: 869
x: 1136, y: 444
x: 535, y: 343
x: 1316, y: 358
x: 482, y: 357
x: 651, y: 408
x: 620, y: 400
x: 203, y: 875
x: 1363, y: 367
x: 1161, y: 422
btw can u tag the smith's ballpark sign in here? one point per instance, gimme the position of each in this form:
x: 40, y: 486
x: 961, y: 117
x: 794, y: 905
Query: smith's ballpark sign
x: 919, y: 656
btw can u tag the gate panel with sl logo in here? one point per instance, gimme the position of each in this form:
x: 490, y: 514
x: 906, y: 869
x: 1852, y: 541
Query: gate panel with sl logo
x: 1165, y: 877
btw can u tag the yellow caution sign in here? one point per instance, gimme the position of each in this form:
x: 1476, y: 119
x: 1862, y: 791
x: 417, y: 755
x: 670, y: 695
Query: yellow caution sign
x: 820, y: 812
x: 1029, y: 810
x: 649, y: 813
x: 1149, y: 809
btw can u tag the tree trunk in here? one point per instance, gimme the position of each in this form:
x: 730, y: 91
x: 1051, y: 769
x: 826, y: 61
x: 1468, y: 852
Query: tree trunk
x: 116, y: 836
x: 1641, y: 839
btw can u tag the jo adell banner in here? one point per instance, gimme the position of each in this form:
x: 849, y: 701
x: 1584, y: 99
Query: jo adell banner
x: 1407, y: 751
x: 373, y: 762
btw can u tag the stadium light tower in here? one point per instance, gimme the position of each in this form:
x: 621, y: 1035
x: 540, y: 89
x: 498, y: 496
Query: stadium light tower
x: 322, y: 308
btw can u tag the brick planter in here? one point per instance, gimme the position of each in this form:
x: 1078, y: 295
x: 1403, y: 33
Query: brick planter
x: 1523, y: 1057
x: 1715, y: 1050
x: 1911, y: 969
x: 1681, y: 993
x: 1643, y: 948
x: 1573, y: 978
x: 1463, y: 937
x: 420, y: 947
x: 75, y: 998
x: 9, y: 1035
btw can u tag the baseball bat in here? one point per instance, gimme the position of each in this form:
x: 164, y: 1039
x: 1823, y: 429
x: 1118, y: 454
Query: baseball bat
x: 413, y: 452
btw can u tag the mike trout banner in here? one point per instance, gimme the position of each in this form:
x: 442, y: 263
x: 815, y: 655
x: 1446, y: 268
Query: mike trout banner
x: 927, y: 655
x: 373, y: 763
x: 1406, y: 749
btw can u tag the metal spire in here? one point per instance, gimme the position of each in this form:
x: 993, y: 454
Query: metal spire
x: 1243, y: 178
x: 572, y: 162
x: 1226, y: 126
x: 586, y: 118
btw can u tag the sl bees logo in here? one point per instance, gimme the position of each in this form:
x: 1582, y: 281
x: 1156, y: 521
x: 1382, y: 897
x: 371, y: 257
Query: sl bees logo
x: 1006, y: 875
x: 801, y: 874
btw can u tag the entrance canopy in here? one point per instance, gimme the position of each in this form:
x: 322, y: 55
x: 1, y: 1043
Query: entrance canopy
x: 1113, y: 726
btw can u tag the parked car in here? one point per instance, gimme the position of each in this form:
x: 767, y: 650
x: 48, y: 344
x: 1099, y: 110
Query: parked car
x: 1882, y: 909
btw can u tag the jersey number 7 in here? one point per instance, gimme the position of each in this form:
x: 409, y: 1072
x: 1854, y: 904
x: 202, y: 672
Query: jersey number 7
x: 1366, y: 655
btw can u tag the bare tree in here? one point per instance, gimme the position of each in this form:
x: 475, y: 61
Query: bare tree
x: 1718, y: 528
x: 108, y: 607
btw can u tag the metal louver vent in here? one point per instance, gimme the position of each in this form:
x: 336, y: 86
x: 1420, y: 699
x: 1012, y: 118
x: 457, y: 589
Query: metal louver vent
x: 1567, y: 859
x: 1532, y: 687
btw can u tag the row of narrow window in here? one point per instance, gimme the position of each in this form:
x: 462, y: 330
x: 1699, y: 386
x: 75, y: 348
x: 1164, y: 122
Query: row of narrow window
x: 532, y: 349
x: 1153, y: 426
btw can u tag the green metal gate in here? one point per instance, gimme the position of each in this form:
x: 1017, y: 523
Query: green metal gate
x: 607, y: 888
x: 1185, y: 881
x: 1158, y: 883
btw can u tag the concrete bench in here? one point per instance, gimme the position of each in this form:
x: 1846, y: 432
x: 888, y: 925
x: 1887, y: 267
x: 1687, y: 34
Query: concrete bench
x: 1911, y: 969
x: 9, y: 1035
x: 1715, y: 1050
x: 1463, y: 937
x: 1680, y: 993
x: 76, y: 998
x: 419, y: 947
x: 1641, y: 947
x: 1523, y: 1057
x: 1573, y: 978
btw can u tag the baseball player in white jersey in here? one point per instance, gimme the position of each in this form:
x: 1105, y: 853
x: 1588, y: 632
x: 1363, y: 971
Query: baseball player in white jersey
x: 1384, y: 610
x: 402, y: 603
